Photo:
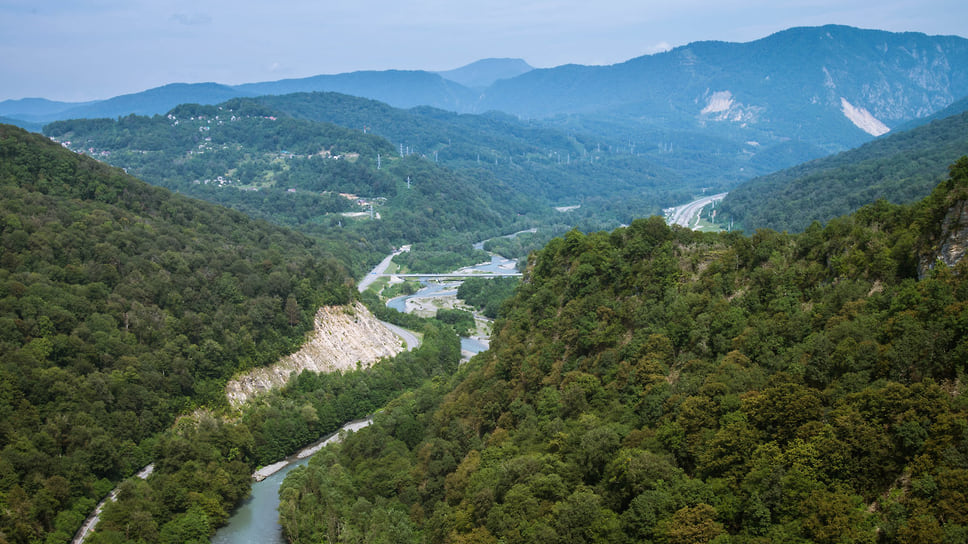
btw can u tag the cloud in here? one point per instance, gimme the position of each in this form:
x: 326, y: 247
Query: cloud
x: 660, y: 47
x: 191, y: 19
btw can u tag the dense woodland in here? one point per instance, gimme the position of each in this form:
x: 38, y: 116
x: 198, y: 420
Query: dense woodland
x: 900, y: 168
x: 655, y: 384
x: 123, y: 306
x: 555, y: 165
x: 649, y: 384
x: 204, y: 462
x: 487, y: 295
x: 282, y: 159
x: 297, y: 173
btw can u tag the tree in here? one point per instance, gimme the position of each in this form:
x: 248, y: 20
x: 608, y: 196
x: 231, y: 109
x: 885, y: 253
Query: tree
x: 292, y: 310
x: 692, y: 525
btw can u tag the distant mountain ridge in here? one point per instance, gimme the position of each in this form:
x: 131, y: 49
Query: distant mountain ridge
x: 729, y: 111
x: 833, y: 87
x: 30, y: 107
x: 399, y: 88
x: 157, y: 100
x: 149, y: 102
x: 728, y: 81
x: 485, y: 72
x: 900, y: 168
x: 894, y: 77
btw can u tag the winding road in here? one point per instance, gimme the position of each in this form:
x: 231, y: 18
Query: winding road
x: 95, y: 516
x: 408, y: 337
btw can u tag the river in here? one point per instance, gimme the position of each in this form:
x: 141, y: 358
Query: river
x: 256, y: 520
x: 432, y: 289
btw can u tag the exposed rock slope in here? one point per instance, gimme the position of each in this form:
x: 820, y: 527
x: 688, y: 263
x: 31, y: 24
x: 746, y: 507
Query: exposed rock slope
x: 953, y: 241
x: 344, y: 335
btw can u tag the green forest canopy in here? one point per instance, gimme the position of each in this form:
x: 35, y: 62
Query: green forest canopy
x: 306, y: 175
x: 123, y: 306
x: 655, y: 384
x: 900, y: 168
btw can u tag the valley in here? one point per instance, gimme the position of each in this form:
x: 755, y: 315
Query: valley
x: 208, y: 278
x: 439, y: 291
x: 256, y: 519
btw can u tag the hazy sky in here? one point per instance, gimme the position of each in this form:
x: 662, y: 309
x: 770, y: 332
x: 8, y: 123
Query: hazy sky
x: 88, y: 49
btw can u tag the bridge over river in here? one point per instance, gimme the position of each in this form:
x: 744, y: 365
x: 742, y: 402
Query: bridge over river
x: 453, y: 275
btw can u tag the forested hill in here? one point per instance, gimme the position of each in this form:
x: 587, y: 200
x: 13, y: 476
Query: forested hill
x: 123, y: 306
x: 559, y: 166
x: 303, y: 174
x: 655, y: 384
x: 900, y: 168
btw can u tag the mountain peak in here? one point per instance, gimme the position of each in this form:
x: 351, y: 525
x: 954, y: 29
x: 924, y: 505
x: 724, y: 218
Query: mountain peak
x: 484, y: 72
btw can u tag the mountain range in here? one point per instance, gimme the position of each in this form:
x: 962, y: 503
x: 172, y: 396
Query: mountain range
x: 400, y: 88
x: 736, y: 109
x: 648, y: 384
x: 901, y: 167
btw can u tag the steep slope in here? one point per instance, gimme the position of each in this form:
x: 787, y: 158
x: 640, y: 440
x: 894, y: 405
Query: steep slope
x: 955, y: 108
x: 123, y: 306
x: 658, y: 385
x: 343, y: 337
x: 308, y: 175
x: 544, y: 162
x: 900, y: 168
x: 736, y: 110
x: 776, y: 81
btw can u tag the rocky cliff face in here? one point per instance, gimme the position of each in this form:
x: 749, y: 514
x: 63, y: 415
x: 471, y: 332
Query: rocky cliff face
x: 344, y: 336
x: 953, y: 242
x: 954, y: 234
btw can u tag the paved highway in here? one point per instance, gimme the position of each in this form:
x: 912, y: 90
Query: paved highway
x: 379, y: 269
x: 686, y: 214
x: 409, y: 337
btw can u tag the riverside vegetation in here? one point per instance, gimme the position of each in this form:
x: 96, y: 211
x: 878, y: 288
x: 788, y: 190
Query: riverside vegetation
x: 655, y: 384
x: 649, y: 384
x: 123, y: 306
x: 124, y: 309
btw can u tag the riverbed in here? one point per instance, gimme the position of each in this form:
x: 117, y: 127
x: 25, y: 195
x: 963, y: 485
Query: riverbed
x: 256, y: 520
x: 437, y: 294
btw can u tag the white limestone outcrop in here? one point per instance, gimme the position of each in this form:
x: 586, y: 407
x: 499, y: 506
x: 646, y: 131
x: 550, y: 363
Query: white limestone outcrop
x: 343, y: 337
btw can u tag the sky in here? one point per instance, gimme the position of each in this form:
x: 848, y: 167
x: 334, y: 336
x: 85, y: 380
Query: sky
x: 78, y: 50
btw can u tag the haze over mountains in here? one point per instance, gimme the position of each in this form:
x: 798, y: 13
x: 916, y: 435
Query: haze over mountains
x: 646, y: 384
x: 894, y: 77
x: 396, y: 87
x: 734, y: 109
x: 899, y: 168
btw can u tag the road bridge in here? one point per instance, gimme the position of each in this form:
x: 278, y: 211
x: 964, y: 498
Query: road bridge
x: 452, y: 275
